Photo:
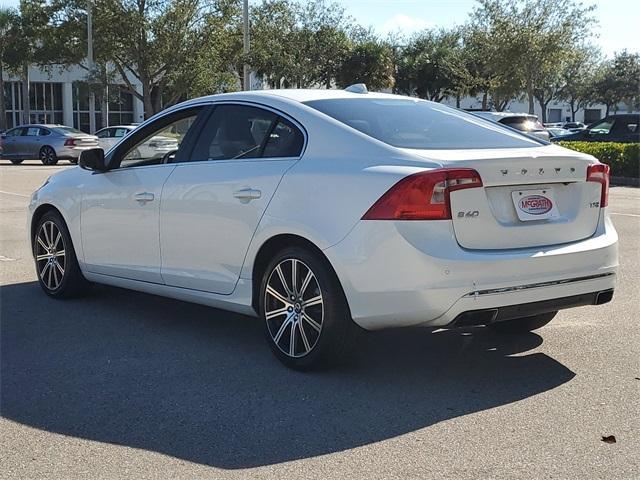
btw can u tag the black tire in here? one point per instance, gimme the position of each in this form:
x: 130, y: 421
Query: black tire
x: 73, y: 161
x: 524, y: 324
x: 16, y: 161
x: 65, y: 279
x: 330, y: 344
x: 48, y: 155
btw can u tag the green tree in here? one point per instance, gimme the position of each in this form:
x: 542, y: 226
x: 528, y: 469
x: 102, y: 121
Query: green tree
x: 618, y: 80
x: 432, y: 65
x: 535, y: 36
x: 8, y: 22
x: 369, y: 61
x: 298, y: 44
x: 164, y: 44
x: 578, y: 78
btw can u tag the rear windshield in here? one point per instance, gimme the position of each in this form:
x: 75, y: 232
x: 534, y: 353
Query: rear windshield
x: 65, y: 130
x: 408, y: 123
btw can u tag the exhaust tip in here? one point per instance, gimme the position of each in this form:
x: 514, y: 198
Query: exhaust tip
x: 604, y: 297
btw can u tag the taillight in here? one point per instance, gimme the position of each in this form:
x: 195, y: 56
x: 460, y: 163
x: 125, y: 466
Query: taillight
x: 599, y: 172
x: 70, y: 142
x: 423, y: 196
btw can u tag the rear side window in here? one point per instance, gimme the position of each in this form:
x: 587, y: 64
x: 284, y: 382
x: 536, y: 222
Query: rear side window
x: 285, y: 140
x: 44, y: 132
x: 33, y: 132
x: 239, y: 132
x: 409, y: 123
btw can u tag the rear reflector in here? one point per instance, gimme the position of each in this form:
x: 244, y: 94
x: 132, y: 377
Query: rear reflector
x: 599, y: 172
x: 423, y: 196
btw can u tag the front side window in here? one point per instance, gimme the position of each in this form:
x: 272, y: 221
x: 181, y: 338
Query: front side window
x: 106, y: 133
x: 153, y: 146
x: 409, y: 123
x: 119, y: 132
x: 16, y: 132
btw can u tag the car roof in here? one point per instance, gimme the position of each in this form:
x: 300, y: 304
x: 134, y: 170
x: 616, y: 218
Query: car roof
x: 128, y: 127
x: 299, y: 95
x: 39, y: 125
x: 504, y: 114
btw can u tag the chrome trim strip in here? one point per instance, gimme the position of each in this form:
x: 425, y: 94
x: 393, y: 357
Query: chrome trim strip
x: 518, y: 288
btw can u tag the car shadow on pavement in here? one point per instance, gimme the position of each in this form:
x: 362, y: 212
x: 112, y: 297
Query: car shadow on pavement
x: 200, y: 384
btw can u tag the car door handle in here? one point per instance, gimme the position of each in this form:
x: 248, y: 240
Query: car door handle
x: 144, y: 197
x: 247, y: 194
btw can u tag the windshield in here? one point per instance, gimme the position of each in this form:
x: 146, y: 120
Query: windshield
x: 408, y: 123
x: 65, y: 130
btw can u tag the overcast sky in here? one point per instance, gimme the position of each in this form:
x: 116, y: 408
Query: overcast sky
x: 619, y: 19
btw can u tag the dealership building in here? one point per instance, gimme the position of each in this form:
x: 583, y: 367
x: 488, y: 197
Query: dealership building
x: 60, y: 95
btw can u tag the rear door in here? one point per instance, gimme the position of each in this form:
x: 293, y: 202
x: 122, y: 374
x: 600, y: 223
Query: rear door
x: 212, y: 204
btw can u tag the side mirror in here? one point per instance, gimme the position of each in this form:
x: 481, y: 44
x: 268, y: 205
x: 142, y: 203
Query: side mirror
x: 93, y: 159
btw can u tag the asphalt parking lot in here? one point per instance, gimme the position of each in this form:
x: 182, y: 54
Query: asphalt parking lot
x: 126, y: 385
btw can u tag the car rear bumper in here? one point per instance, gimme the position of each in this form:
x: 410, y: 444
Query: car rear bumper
x: 415, y: 273
x: 72, y: 153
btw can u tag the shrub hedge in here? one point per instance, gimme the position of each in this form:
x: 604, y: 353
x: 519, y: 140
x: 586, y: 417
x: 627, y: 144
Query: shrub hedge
x: 623, y: 158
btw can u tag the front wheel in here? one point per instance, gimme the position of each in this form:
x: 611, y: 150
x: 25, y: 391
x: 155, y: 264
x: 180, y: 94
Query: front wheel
x: 48, y: 155
x: 523, y: 325
x: 307, y: 319
x: 57, y: 267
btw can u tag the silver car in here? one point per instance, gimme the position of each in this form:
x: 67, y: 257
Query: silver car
x: 49, y: 143
x: 524, y: 122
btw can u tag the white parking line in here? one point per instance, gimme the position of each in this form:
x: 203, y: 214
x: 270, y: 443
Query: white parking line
x: 16, y: 194
x: 625, y: 214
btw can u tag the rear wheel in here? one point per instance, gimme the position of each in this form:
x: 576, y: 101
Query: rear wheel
x: 16, y: 161
x: 48, y: 155
x: 56, y: 264
x: 524, y: 324
x: 307, y: 319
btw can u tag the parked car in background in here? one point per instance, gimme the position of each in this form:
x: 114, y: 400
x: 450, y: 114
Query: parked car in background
x: 49, y: 143
x: 318, y: 209
x: 555, y: 132
x: 523, y: 122
x: 156, y: 146
x: 574, y: 126
x: 622, y: 128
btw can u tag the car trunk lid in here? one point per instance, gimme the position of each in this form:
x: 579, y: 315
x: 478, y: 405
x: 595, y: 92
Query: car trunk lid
x: 530, y: 197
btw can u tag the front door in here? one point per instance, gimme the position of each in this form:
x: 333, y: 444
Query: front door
x: 212, y: 204
x: 121, y: 207
x: 11, y: 143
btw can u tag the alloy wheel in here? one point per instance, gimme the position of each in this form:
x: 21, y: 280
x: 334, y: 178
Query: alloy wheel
x: 47, y: 155
x: 294, y: 308
x: 50, y: 255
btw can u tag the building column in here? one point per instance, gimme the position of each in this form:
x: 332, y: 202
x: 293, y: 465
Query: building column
x: 67, y: 103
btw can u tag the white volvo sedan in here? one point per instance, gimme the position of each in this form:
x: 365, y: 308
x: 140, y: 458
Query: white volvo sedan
x: 320, y: 210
